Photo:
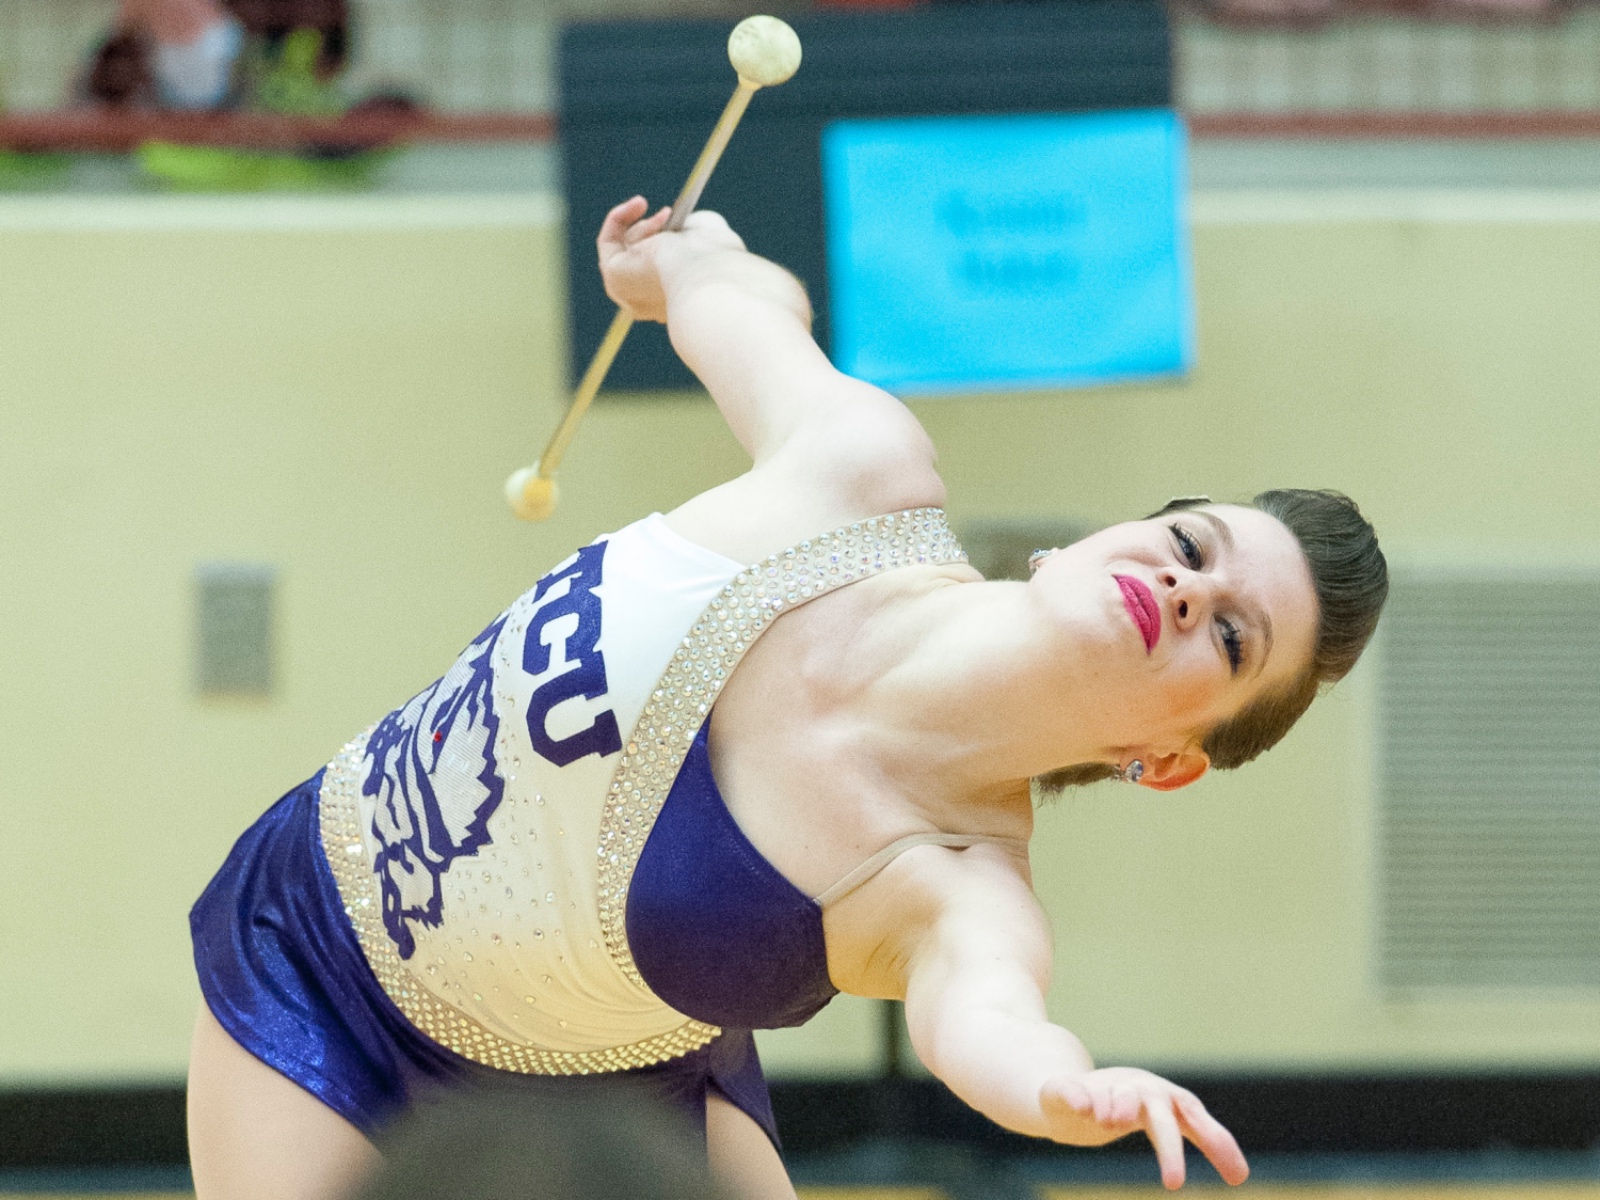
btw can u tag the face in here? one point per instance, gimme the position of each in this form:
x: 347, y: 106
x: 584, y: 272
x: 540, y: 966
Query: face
x: 1181, y: 621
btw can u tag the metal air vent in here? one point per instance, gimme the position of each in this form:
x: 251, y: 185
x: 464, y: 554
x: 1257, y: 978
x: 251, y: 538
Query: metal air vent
x: 233, y: 628
x: 1489, y: 783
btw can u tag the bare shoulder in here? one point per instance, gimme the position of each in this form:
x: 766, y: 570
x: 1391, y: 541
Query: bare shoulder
x: 858, y: 452
x: 928, y: 901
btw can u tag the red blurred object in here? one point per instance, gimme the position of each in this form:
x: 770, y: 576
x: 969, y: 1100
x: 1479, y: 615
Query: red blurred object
x: 1300, y: 13
x: 869, y: 5
x: 1274, y: 12
x: 1311, y: 125
x: 1510, y: 11
x: 115, y: 130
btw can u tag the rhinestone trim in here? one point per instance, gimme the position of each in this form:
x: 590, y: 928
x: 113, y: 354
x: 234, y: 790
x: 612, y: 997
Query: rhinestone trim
x: 719, y: 638
x: 358, y: 888
x: 677, y: 707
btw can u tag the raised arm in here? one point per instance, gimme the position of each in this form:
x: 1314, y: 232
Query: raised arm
x: 974, y: 985
x: 826, y: 448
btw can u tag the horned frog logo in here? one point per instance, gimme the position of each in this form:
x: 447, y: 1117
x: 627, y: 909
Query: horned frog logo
x: 426, y: 818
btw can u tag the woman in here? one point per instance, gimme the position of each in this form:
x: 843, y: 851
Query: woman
x: 667, y: 797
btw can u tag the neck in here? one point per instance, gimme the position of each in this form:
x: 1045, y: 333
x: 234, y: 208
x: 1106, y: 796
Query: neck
x: 965, y: 696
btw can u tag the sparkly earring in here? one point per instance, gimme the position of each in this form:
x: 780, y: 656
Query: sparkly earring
x: 1131, y: 773
x: 1034, y: 559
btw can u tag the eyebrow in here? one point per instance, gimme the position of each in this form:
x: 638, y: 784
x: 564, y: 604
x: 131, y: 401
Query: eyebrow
x: 1257, y: 616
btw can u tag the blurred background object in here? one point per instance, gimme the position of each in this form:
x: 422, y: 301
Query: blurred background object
x: 600, y: 1142
x: 198, y: 54
x: 635, y: 98
x: 1357, y: 56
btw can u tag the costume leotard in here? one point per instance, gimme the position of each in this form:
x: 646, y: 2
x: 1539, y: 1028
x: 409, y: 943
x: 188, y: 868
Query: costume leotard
x: 528, y: 868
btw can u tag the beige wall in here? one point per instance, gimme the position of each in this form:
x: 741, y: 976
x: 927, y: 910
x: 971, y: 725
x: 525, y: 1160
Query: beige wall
x: 338, y: 387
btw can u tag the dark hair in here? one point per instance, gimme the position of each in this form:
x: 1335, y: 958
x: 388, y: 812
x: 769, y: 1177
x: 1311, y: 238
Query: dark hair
x: 1351, y: 580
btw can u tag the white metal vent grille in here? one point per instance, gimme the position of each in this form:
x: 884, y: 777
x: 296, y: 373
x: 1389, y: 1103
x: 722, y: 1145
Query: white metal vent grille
x: 1489, y: 783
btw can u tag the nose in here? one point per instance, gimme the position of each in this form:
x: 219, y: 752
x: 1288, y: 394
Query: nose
x: 1187, y: 596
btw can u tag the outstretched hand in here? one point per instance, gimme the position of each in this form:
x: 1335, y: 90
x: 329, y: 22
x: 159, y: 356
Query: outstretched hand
x: 631, y: 246
x: 1101, y: 1106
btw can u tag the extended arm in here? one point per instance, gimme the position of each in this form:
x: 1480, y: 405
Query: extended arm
x: 826, y: 448
x: 975, y: 981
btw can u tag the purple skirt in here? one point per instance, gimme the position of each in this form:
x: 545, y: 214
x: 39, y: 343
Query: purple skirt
x: 281, y: 970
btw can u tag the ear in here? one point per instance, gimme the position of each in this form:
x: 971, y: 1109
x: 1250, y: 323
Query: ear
x: 1169, y: 772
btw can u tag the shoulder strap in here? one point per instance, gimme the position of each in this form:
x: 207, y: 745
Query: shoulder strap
x: 880, y: 860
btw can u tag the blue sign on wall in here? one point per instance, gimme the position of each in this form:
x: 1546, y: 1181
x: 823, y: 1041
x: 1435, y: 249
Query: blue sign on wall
x: 1006, y: 252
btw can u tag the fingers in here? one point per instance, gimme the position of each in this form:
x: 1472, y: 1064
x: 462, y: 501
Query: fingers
x: 1120, y: 1101
x: 1161, y: 1127
x: 1073, y: 1093
x: 1213, y: 1139
x: 1078, y: 1108
x: 626, y: 225
x: 1091, y: 1106
x: 648, y: 228
x: 1124, y: 1105
x: 617, y: 222
x: 1116, y: 1107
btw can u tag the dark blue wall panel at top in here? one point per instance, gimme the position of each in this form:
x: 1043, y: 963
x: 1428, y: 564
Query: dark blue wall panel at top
x: 639, y: 97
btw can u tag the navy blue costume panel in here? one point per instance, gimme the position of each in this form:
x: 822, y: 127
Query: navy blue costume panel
x: 715, y: 929
x: 282, y: 972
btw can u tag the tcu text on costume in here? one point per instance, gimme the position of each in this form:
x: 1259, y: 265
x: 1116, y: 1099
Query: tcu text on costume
x: 586, y: 676
x: 431, y: 765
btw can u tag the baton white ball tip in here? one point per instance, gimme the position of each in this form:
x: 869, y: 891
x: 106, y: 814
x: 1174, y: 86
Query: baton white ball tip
x: 530, y: 496
x: 764, y: 51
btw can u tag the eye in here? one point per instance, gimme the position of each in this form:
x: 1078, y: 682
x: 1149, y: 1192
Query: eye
x: 1188, y: 547
x: 1232, y: 642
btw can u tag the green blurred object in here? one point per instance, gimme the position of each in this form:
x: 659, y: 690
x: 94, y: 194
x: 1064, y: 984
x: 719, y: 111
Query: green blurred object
x: 20, y: 170
x: 289, y: 84
x: 216, y: 169
x: 285, y: 83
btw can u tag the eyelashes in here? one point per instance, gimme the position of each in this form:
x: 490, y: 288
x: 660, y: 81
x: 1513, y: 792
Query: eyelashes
x: 1232, y: 639
x: 1188, y: 547
x: 1232, y: 642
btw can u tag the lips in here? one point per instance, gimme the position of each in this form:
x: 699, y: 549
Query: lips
x: 1141, y: 605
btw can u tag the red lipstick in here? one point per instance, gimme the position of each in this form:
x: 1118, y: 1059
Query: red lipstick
x: 1140, y: 602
